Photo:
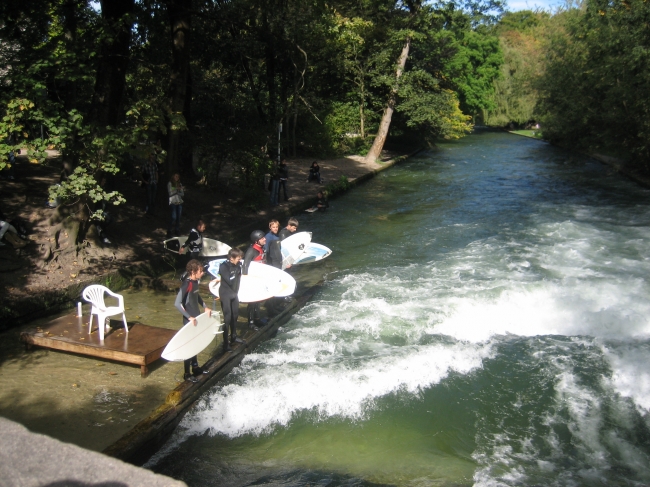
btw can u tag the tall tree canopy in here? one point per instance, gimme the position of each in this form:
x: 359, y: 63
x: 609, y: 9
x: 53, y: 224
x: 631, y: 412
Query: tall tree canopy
x: 594, y: 93
x: 203, y: 83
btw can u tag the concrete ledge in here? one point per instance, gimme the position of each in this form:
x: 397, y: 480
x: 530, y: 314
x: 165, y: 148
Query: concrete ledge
x: 149, y: 435
x: 33, y: 460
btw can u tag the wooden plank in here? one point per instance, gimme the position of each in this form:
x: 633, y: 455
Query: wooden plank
x: 141, y: 346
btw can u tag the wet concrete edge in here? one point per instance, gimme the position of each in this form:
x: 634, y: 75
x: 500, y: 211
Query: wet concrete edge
x: 150, y: 434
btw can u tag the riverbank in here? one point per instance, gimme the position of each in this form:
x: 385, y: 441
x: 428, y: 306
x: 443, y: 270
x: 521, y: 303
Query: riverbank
x: 93, y: 403
x: 31, y: 287
x: 620, y: 165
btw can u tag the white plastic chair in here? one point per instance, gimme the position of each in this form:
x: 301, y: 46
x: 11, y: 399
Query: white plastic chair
x: 95, y: 295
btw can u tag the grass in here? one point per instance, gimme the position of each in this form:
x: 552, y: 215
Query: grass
x: 535, y: 134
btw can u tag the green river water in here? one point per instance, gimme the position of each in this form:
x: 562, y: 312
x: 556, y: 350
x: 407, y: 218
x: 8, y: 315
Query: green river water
x: 484, y: 321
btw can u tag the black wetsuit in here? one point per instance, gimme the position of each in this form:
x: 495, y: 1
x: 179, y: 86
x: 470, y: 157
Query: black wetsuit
x: 253, y: 253
x: 187, y: 302
x: 284, y: 233
x: 195, y: 243
x: 273, y: 251
x: 230, y: 280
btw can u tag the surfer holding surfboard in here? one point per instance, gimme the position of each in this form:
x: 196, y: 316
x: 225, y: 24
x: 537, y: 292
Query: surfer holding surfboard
x: 187, y: 302
x: 194, y: 241
x: 230, y: 272
x: 255, y: 253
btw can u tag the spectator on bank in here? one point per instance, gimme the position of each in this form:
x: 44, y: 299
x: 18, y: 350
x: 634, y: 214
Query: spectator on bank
x: 322, y: 204
x: 176, y: 193
x: 283, y: 174
x: 10, y: 234
x: 150, y: 179
x: 314, y: 173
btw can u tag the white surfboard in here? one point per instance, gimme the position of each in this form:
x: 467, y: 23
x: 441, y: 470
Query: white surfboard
x: 286, y: 284
x: 192, y: 340
x: 211, y: 247
x: 313, y: 252
x: 293, y: 246
x: 251, y: 288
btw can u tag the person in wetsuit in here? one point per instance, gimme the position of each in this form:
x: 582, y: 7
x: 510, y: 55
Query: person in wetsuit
x: 230, y: 272
x: 194, y: 241
x: 290, y: 229
x: 274, y: 258
x: 187, y: 302
x: 255, y: 253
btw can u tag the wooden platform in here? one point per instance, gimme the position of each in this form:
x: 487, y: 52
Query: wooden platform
x: 141, y: 346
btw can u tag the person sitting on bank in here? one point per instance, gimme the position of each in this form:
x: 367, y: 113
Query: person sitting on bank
x: 314, y: 173
x: 194, y: 241
x: 10, y: 235
x: 187, y: 302
x: 230, y: 272
x: 321, y: 202
x: 255, y: 253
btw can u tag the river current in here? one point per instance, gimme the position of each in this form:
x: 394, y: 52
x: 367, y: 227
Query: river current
x: 484, y: 321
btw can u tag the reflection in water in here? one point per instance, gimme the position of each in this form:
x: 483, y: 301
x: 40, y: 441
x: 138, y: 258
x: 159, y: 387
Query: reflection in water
x: 484, y: 321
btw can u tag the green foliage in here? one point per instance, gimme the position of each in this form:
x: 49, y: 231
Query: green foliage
x: 322, y: 69
x: 430, y: 110
x: 594, y: 93
x: 521, y: 36
x: 474, y: 69
x: 340, y: 186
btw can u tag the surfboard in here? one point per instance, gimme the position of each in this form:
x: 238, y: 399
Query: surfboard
x: 313, y: 252
x: 293, y: 246
x: 285, y: 284
x: 211, y: 248
x: 252, y: 288
x: 192, y: 340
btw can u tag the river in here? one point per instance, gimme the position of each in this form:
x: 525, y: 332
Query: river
x: 484, y: 321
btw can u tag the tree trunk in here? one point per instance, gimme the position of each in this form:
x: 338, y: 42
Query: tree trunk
x: 180, y: 27
x: 112, y: 63
x: 384, y: 126
x: 70, y: 223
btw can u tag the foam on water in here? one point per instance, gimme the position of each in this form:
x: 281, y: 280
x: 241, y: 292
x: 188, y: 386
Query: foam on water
x: 586, y: 421
x: 540, y: 324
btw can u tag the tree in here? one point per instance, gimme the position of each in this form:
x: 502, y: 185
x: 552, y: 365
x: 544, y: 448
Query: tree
x: 593, y: 94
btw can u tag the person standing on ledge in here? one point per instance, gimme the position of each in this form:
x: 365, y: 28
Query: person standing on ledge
x: 255, y: 253
x: 230, y: 272
x: 187, y: 302
x: 291, y: 228
x: 194, y: 241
